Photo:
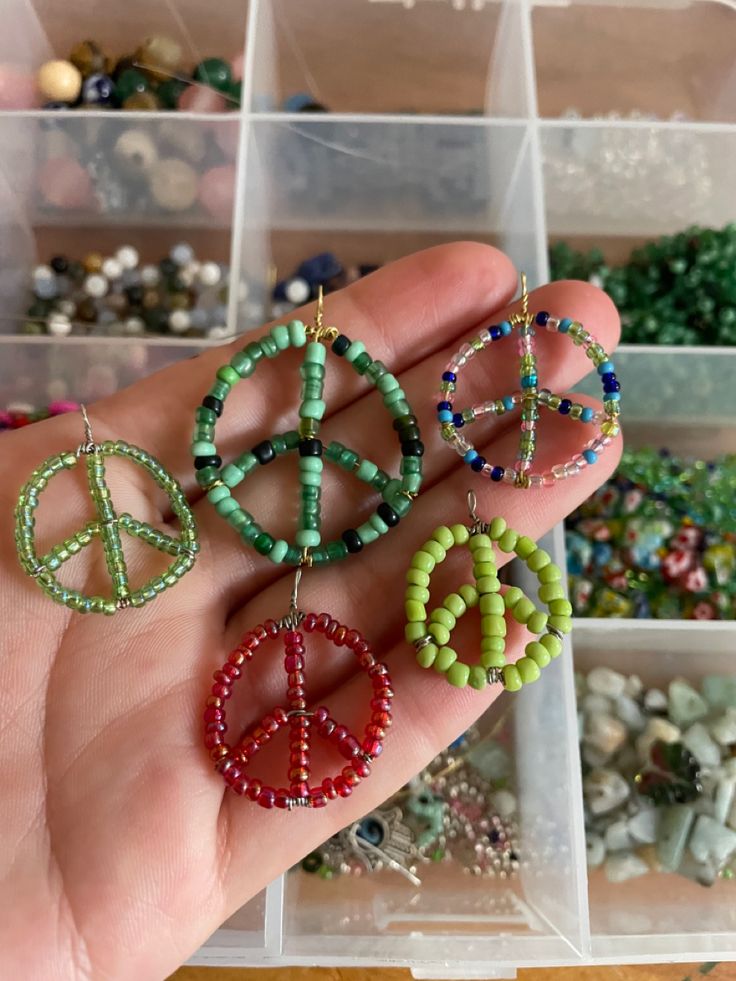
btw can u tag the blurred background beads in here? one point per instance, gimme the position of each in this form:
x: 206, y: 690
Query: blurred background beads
x: 20, y: 414
x: 657, y: 540
x: 678, y: 289
x: 323, y: 270
x: 659, y: 775
x: 154, y: 76
x: 114, y: 295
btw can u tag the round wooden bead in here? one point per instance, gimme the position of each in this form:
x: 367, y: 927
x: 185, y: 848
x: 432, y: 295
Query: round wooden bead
x: 59, y: 81
x: 135, y: 152
x: 174, y: 184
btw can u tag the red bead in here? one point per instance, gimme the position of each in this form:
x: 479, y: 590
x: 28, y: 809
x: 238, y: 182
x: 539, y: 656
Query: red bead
x: 352, y: 638
x: 323, y: 621
x: 223, y: 765
x: 384, y: 692
x: 240, y: 785
x: 279, y: 714
x: 339, y: 733
x: 250, y: 641
x: 254, y: 789
x: 382, y: 719
x: 218, y: 752
x: 293, y: 637
x: 213, y: 714
x: 293, y: 662
x: 214, y: 700
x: 232, y: 774
x: 215, y: 727
x: 318, y: 798
x: 321, y: 714
x: 331, y: 629
x: 298, y: 774
x: 378, y: 668
x: 248, y: 745
x: 231, y: 672
x: 328, y: 785
x: 222, y: 691
x: 376, y: 731
x: 270, y: 724
x: 261, y: 736
x: 282, y: 798
x: 340, y: 635
x: 236, y: 657
x: 260, y: 633
x: 212, y: 739
x: 300, y: 758
x: 373, y: 747
x: 361, y: 647
x: 342, y: 787
x: 361, y: 767
x: 366, y: 660
x: 271, y: 628
x: 350, y: 777
x: 327, y: 728
x: 381, y: 704
x: 309, y: 622
x: 300, y: 789
x: 349, y: 747
x: 267, y: 796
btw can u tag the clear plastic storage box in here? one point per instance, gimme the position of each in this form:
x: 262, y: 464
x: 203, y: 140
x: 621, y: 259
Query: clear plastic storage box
x: 514, y: 123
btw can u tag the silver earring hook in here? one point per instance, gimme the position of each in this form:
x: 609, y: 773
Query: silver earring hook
x: 89, y: 445
x: 472, y: 505
x: 295, y: 591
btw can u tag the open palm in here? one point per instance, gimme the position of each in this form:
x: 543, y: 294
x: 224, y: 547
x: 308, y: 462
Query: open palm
x: 120, y: 850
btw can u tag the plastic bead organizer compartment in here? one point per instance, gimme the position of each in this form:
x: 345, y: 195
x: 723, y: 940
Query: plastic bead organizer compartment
x: 479, y: 177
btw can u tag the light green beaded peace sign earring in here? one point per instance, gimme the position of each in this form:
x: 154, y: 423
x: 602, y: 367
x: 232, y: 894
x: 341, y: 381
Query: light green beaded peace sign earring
x: 431, y: 636
x: 106, y: 526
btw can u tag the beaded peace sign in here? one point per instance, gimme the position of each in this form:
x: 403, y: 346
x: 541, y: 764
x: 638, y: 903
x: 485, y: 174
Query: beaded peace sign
x: 431, y: 637
x: 107, y: 527
x: 218, y: 481
x: 529, y: 399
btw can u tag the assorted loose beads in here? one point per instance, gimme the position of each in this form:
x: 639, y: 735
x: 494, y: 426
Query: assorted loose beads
x: 107, y: 527
x: 218, y: 481
x: 528, y: 399
x: 431, y: 635
x: 303, y: 724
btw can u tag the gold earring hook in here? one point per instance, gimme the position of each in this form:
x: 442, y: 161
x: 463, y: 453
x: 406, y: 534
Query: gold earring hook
x: 318, y: 331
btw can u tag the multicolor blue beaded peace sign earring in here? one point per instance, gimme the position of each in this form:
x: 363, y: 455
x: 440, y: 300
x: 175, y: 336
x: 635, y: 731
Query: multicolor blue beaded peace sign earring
x: 107, y: 526
x: 528, y: 399
x: 307, y: 549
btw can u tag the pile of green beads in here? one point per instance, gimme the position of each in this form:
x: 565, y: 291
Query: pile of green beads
x: 107, y: 527
x: 431, y: 636
x: 219, y: 481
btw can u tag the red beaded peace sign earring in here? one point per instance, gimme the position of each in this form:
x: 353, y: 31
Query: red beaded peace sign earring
x: 233, y: 757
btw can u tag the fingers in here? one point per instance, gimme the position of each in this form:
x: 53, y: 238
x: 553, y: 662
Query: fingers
x: 364, y: 426
x: 402, y: 313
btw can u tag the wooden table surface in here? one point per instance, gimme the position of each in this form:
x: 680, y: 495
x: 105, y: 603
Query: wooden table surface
x: 647, y: 972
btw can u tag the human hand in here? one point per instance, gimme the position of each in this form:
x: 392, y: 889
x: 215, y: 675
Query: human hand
x: 121, y: 850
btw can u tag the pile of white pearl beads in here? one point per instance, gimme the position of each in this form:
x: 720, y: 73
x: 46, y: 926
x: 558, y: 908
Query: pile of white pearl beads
x: 180, y: 295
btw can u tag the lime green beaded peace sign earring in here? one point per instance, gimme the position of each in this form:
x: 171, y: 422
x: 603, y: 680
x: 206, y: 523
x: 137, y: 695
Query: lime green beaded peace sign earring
x: 233, y: 757
x: 106, y: 526
x: 431, y: 636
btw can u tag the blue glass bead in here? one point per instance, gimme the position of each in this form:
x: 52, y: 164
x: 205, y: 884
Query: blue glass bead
x: 612, y: 397
x: 320, y: 268
x: 458, y: 420
x: 478, y: 463
x: 565, y: 406
x: 612, y: 386
x: 508, y: 403
x: 496, y: 333
x: 279, y: 290
x: 565, y: 324
x: 449, y: 376
x: 528, y: 381
x: 470, y: 456
x: 587, y: 414
x: 542, y: 317
x: 97, y: 90
x: 506, y: 328
x: 609, y: 376
x: 444, y: 406
x: 444, y: 416
x: 497, y: 473
x: 605, y: 368
x: 590, y: 456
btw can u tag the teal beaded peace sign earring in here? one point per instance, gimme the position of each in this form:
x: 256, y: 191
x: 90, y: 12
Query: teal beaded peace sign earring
x: 232, y: 758
x: 107, y: 526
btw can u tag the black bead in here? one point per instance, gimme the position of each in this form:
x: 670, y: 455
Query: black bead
x: 403, y: 421
x: 413, y: 447
x: 59, y: 264
x: 212, y: 402
x: 135, y: 295
x: 200, y: 462
x: 409, y: 434
x: 341, y: 344
x: 310, y: 447
x: 386, y: 513
x: 352, y: 539
x: 264, y: 452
